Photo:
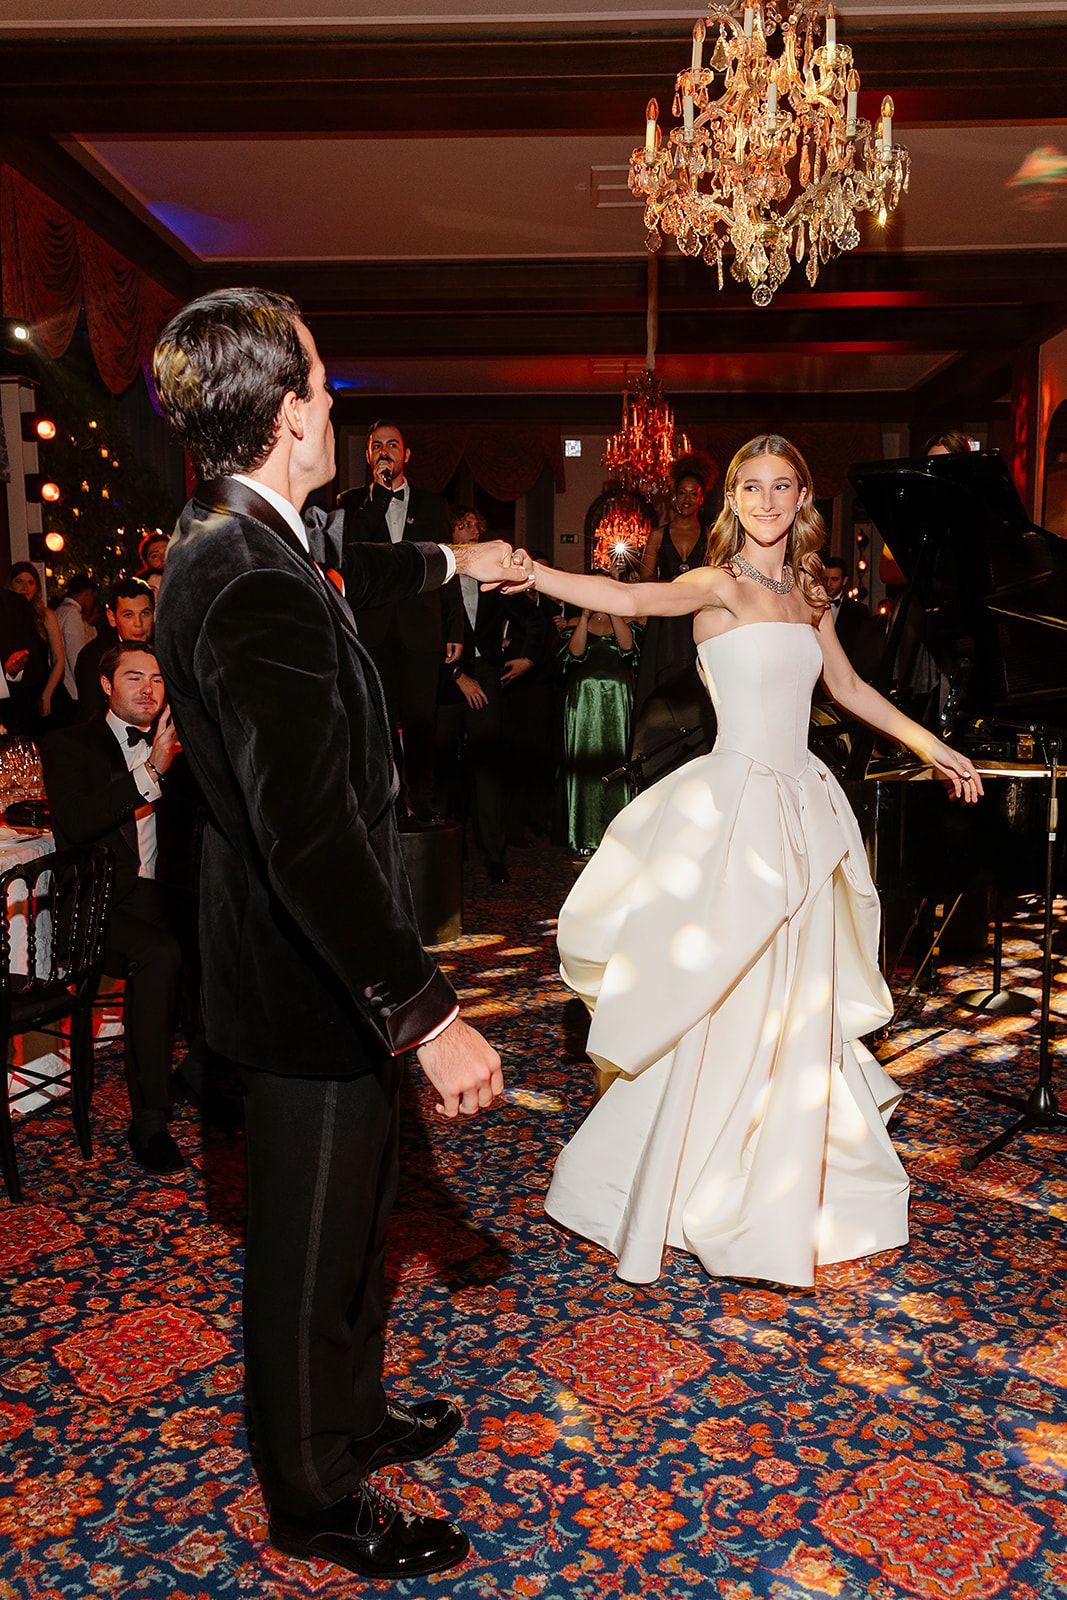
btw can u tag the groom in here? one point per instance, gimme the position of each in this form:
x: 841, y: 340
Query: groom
x: 314, y: 977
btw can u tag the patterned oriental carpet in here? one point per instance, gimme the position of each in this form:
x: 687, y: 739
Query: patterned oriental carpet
x: 900, y: 1432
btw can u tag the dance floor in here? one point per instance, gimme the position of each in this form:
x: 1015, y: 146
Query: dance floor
x: 901, y: 1431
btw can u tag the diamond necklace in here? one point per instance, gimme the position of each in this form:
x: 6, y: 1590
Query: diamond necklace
x: 780, y: 586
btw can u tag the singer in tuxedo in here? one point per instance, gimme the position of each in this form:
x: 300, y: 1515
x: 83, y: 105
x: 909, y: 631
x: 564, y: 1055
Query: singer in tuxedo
x: 314, y: 977
x: 106, y: 781
x: 409, y: 638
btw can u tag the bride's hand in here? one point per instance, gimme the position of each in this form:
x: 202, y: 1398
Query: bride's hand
x: 957, y: 770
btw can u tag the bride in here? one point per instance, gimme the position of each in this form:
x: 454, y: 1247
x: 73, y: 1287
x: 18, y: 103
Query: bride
x: 725, y: 934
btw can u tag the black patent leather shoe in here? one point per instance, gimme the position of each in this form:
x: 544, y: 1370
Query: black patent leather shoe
x: 155, y: 1152
x: 409, y: 1433
x: 370, y: 1534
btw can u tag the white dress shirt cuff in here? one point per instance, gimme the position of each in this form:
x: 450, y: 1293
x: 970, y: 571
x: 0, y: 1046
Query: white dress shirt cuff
x: 450, y: 561
x: 149, y: 789
x: 433, y: 1033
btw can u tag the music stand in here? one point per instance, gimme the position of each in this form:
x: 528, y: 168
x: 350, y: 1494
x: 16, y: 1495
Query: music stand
x: 1040, y: 1109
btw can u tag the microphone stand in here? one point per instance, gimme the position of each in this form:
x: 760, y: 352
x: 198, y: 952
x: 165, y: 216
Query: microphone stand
x: 1040, y: 1109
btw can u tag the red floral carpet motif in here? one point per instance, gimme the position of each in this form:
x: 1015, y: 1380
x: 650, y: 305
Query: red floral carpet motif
x: 31, y: 1233
x: 141, y: 1353
x: 897, y: 1434
x: 938, y: 1534
x: 1048, y: 1360
x: 419, y: 1242
x: 622, y: 1361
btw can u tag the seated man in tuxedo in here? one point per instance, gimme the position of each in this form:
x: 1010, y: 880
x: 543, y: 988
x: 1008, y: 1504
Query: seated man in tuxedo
x: 503, y: 636
x: 407, y: 639
x: 105, y: 782
x: 131, y: 614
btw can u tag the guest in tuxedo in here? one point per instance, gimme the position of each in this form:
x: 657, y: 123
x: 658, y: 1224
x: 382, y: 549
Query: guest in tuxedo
x: 106, y: 780
x: 131, y: 615
x: 502, y: 638
x: 73, y: 614
x: 23, y: 663
x: 408, y: 639
x: 314, y: 977
x: 861, y: 634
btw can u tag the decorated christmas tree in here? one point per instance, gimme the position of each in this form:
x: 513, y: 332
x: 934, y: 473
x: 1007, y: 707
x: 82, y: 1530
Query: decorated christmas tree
x: 108, y: 500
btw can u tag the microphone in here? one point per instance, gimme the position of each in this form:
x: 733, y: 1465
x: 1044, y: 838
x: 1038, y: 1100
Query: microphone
x: 385, y: 468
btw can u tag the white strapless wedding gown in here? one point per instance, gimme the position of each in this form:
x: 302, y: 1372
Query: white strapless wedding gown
x: 725, y: 938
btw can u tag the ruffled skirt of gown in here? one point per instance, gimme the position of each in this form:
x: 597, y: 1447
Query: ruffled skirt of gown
x: 725, y: 938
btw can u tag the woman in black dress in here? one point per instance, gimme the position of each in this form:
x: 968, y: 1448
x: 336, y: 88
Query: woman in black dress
x: 669, y: 696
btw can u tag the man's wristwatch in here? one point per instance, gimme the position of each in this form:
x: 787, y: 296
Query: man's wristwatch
x: 151, y: 767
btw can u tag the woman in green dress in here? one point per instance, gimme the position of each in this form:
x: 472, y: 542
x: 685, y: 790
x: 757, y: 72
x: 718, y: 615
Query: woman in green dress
x: 599, y: 657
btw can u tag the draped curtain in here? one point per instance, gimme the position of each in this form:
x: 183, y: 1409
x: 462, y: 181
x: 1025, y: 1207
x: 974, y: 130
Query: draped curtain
x: 506, y: 459
x: 53, y: 264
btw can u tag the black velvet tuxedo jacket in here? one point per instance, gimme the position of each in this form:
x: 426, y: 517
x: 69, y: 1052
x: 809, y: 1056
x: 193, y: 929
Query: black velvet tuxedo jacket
x: 92, y: 796
x: 424, y: 623
x: 312, y: 964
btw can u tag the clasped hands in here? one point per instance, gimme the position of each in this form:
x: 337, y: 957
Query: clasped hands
x: 496, y: 565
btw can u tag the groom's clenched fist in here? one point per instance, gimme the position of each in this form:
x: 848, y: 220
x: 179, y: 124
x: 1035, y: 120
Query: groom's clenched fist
x: 463, y: 1068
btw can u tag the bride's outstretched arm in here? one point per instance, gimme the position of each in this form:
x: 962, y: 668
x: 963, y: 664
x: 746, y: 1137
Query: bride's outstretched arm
x: 861, y: 700
x: 704, y: 586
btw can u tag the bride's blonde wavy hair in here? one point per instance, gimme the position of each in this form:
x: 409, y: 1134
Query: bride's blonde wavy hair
x: 807, y: 535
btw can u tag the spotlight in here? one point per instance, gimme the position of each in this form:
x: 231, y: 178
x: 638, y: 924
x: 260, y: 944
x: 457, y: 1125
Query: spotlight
x: 37, y: 429
x: 54, y: 541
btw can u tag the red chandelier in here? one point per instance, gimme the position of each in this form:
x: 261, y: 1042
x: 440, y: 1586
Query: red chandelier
x: 639, y: 457
x: 621, y: 535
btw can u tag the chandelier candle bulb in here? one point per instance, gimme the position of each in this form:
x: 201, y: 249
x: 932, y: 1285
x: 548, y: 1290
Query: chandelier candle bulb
x: 772, y: 104
x: 831, y: 33
x: 651, y: 114
x: 887, y: 128
x: 687, y: 115
x: 748, y: 22
x: 699, y: 31
x: 852, y: 112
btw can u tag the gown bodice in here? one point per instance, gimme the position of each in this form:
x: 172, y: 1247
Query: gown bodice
x: 760, y: 677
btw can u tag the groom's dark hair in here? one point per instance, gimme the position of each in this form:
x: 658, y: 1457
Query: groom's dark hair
x: 222, y: 367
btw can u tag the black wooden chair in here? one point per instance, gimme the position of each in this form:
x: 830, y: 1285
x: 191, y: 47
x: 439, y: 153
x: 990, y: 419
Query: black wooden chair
x: 62, y: 901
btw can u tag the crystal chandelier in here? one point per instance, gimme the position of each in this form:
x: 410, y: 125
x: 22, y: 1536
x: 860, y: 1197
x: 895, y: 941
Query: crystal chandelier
x: 621, y: 535
x: 640, y: 455
x: 771, y: 157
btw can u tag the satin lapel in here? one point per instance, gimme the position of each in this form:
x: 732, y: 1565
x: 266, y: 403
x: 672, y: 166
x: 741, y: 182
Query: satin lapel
x: 226, y: 494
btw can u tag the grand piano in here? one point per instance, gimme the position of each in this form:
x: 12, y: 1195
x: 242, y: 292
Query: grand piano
x: 989, y: 589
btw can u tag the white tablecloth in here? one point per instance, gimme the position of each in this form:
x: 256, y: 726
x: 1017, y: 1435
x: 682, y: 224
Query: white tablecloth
x: 39, y: 1050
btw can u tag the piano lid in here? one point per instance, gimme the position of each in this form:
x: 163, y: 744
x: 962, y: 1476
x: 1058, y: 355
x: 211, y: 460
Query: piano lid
x: 993, y: 584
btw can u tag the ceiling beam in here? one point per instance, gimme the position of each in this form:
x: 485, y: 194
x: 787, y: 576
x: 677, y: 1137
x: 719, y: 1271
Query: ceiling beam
x: 510, y: 333
x: 609, y: 284
x: 367, y: 88
x: 763, y: 409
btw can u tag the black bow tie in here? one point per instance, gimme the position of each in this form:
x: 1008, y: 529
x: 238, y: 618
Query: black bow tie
x: 397, y: 494
x: 135, y: 735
